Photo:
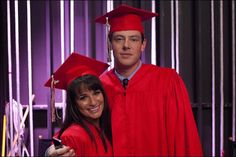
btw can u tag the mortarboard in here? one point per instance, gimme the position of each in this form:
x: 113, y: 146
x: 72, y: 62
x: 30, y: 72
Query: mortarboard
x: 74, y: 66
x: 126, y: 17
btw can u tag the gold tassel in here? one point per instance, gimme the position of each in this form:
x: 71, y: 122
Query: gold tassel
x: 52, y: 101
x: 108, y: 41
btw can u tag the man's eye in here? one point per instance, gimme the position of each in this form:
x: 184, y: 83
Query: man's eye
x: 119, y: 39
x: 134, y: 39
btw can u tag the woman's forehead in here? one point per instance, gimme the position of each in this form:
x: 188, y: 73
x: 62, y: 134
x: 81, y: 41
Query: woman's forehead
x: 84, y: 87
x: 87, y: 87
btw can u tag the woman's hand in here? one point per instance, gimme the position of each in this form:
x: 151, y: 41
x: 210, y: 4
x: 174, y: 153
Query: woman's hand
x: 64, y: 151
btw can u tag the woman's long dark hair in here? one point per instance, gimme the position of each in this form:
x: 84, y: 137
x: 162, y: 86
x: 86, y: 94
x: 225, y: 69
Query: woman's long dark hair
x: 73, y: 115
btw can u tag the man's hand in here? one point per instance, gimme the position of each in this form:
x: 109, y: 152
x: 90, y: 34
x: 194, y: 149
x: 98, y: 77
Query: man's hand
x: 64, y: 151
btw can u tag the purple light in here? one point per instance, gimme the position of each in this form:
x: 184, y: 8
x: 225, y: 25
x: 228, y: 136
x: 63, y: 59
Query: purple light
x: 153, y: 40
x: 9, y: 72
x: 213, y: 76
x: 72, y: 32
x: 233, y: 71
x: 110, y: 6
x: 172, y: 37
x: 30, y: 79
x: 221, y: 82
x: 177, y: 35
x: 62, y: 18
x: 17, y: 68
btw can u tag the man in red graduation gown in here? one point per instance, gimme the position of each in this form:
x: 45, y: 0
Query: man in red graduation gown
x: 151, y: 111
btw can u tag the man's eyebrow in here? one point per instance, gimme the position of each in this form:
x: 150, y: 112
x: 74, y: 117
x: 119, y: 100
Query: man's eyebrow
x: 118, y: 35
x: 135, y: 36
x: 130, y: 36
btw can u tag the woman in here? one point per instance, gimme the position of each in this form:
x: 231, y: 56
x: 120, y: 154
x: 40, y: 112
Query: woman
x: 87, y: 127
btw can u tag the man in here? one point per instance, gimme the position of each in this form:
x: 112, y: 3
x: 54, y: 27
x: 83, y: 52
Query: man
x: 151, y: 111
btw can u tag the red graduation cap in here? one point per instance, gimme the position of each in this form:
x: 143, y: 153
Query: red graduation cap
x: 126, y: 17
x: 76, y: 65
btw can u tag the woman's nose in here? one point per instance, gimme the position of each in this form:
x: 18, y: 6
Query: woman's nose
x: 93, y: 101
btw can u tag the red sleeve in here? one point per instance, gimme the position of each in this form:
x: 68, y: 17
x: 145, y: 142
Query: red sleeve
x: 183, y: 138
x: 75, y: 144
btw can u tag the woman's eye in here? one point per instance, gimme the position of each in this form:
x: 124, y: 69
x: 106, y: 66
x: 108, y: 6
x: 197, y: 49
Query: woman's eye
x: 97, y: 92
x: 82, y: 97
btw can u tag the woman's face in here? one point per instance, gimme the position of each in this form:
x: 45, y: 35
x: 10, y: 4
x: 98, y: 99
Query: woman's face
x: 91, y: 103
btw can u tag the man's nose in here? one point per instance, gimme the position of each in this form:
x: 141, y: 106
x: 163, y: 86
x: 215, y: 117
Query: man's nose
x: 126, y: 44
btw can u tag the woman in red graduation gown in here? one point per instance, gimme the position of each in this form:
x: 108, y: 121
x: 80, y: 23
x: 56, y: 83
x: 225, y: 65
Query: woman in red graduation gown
x: 87, y: 128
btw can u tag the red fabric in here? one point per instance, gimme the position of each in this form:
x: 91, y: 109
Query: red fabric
x: 126, y: 17
x: 153, y: 117
x: 76, y: 65
x: 126, y: 22
x: 77, y: 138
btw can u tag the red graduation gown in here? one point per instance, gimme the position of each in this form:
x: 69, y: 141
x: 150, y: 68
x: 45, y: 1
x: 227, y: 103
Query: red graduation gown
x: 153, y: 116
x: 77, y: 138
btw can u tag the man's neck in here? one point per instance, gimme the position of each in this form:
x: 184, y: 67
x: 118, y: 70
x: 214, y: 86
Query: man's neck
x: 127, y: 71
x: 124, y: 72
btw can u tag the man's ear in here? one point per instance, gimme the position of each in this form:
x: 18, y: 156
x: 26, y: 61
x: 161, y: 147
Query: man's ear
x: 143, y: 45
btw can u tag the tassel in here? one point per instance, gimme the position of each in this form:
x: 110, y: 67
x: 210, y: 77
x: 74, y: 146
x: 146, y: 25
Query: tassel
x: 52, y: 101
x: 108, y: 41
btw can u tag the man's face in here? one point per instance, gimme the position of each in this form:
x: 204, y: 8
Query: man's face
x: 127, y: 48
